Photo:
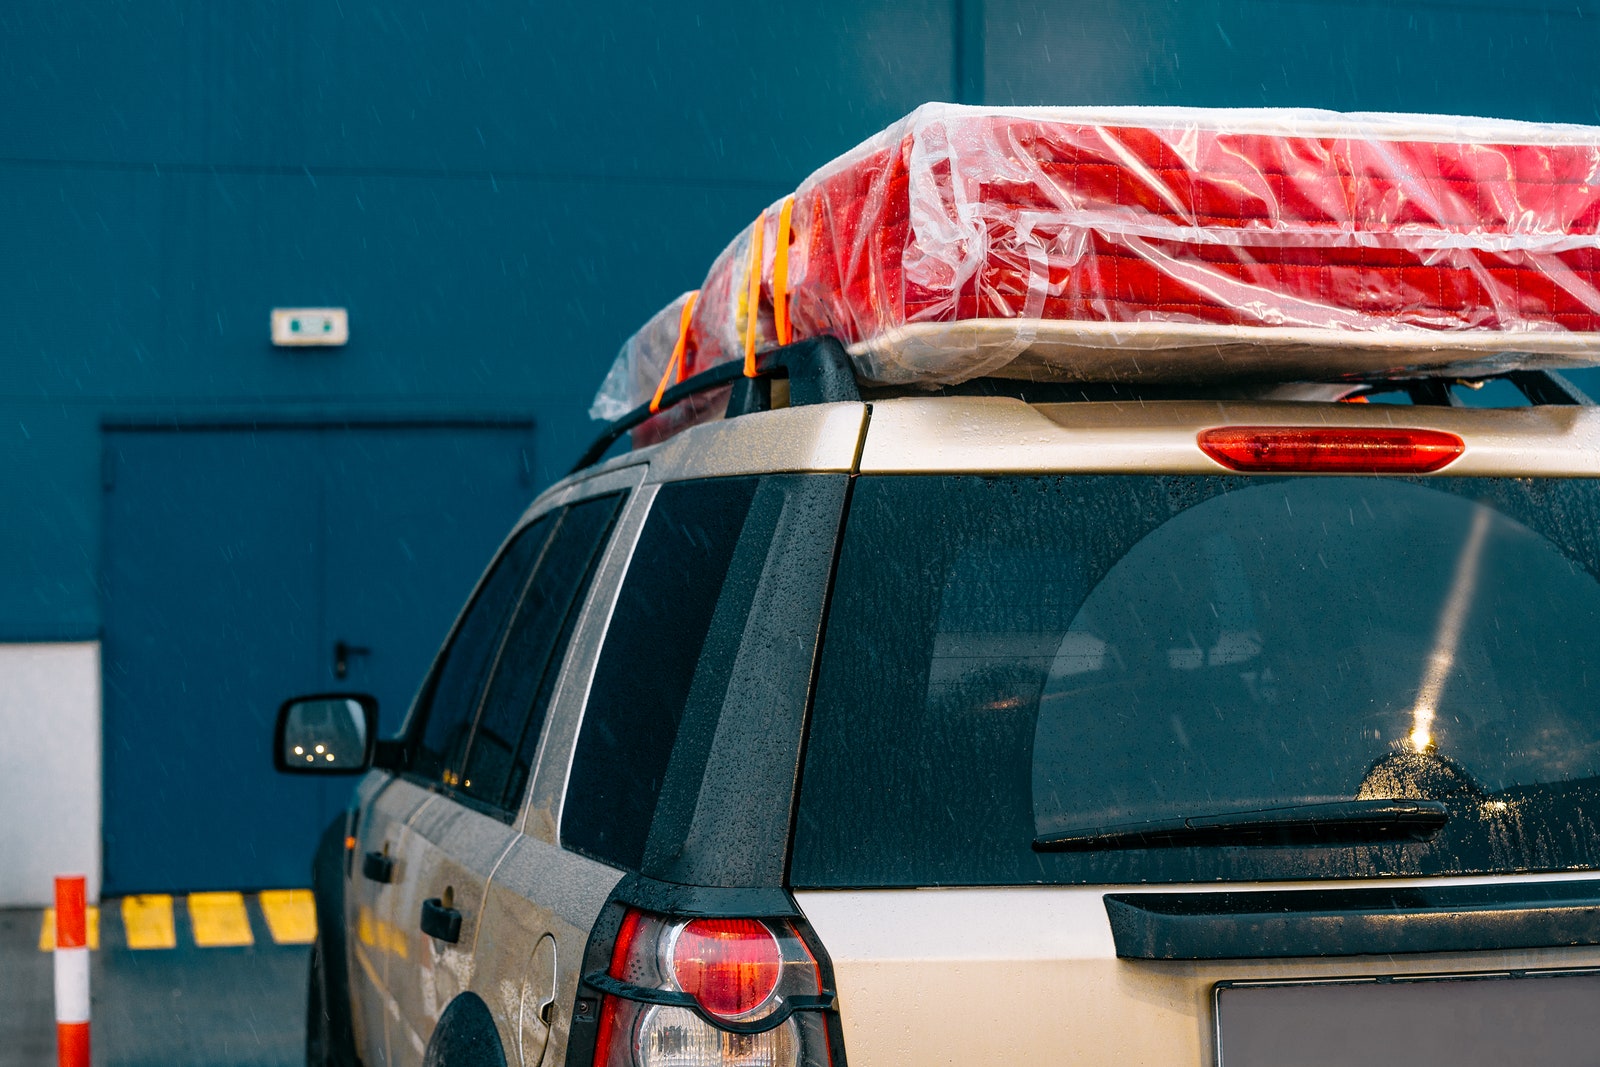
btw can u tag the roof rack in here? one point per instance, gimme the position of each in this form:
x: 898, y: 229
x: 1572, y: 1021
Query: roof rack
x: 819, y: 371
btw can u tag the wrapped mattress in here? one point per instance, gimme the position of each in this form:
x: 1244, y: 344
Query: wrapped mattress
x: 1160, y: 244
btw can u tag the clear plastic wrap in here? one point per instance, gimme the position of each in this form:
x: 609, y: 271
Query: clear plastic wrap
x: 1109, y: 244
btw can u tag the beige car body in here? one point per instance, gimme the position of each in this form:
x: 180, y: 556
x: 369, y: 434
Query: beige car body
x: 935, y: 976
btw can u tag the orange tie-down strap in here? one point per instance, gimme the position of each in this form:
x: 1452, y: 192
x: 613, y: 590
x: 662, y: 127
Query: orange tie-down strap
x: 674, y: 373
x: 780, y: 284
x: 752, y: 307
x: 780, y: 274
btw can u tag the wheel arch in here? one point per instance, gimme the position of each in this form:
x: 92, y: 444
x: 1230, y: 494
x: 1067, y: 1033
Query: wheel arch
x: 466, y: 1036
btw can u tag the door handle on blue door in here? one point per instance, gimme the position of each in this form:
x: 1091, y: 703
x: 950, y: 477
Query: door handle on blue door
x: 378, y: 867
x: 341, y: 657
x: 441, y: 921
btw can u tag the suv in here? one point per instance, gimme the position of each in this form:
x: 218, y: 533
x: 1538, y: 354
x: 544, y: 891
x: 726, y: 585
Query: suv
x: 1007, y: 724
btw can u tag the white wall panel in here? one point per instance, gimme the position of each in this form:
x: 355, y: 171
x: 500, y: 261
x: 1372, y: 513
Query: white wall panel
x: 49, y: 768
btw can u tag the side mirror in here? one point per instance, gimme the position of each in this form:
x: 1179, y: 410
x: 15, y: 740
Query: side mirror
x: 330, y: 733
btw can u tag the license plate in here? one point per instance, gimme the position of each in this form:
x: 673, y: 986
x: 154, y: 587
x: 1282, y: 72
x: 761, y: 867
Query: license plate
x: 1548, y: 1018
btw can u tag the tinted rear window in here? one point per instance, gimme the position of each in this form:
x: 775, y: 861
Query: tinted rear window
x: 1014, y: 657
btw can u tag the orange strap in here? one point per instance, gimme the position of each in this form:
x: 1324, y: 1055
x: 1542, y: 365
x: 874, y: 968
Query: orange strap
x: 780, y: 275
x: 674, y: 371
x: 752, y: 311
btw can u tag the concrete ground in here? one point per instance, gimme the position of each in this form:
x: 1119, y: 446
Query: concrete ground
x: 184, y: 1006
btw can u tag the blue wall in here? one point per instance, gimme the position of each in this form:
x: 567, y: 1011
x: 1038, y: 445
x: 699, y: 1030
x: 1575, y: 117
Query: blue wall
x: 500, y: 192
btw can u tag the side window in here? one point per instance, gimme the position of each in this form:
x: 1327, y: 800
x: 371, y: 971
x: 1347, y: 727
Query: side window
x: 514, y: 706
x: 452, y: 697
x: 646, y: 670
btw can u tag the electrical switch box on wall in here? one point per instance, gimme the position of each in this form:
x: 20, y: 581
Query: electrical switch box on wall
x: 310, y: 326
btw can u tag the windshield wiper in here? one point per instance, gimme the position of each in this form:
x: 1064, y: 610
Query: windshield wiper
x: 1339, y: 822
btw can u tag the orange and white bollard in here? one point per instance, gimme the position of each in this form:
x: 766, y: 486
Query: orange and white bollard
x: 72, y: 973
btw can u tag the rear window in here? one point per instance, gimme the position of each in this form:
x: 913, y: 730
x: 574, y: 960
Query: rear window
x: 1011, y: 658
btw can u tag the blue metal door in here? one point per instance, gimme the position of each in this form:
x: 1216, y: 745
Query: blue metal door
x: 243, y: 566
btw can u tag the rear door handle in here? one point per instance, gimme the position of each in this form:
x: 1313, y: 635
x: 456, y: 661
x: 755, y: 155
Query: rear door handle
x: 378, y: 867
x: 441, y: 922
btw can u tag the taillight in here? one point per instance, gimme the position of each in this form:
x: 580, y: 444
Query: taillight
x: 1330, y: 450
x: 710, y: 993
x: 731, y: 966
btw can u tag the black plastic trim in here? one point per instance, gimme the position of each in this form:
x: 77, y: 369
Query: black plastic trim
x: 723, y: 815
x: 391, y: 754
x: 819, y: 372
x: 603, y: 982
x: 816, y: 652
x: 378, y: 867
x: 748, y: 396
x: 697, y: 901
x: 1354, y: 922
x: 439, y: 921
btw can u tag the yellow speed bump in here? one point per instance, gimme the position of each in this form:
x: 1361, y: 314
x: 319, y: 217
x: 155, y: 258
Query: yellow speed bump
x: 219, y: 920
x: 291, y: 915
x: 148, y: 922
x: 47, y: 930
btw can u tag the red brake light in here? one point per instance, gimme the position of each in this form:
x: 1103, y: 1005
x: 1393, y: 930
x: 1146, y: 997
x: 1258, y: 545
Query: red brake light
x: 730, y: 966
x: 1347, y: 450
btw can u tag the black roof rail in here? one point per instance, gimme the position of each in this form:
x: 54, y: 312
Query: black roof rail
x: 1540, y: 388
x: 1548, y: 387
x: 817, y: 369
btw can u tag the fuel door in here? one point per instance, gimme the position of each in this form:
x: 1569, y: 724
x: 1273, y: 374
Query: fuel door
x: 537, y: 1009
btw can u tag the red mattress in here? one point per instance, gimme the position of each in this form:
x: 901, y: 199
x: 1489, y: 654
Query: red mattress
x: 1051, y: 231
